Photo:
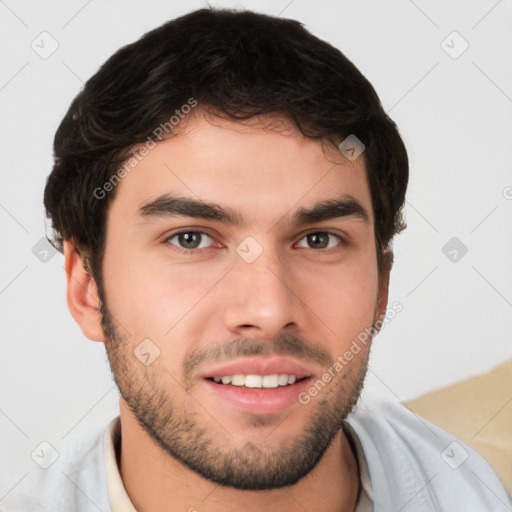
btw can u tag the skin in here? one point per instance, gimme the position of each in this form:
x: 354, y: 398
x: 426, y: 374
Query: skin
x: 188, y: 303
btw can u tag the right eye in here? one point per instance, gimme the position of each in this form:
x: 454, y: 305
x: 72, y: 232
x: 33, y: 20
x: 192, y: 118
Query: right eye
x: 190, y: 241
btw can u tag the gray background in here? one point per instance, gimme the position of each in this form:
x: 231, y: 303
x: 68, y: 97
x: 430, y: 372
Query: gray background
x: 454, y: 115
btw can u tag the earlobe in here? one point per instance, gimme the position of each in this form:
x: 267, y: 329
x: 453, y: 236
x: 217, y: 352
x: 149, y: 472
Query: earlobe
x: 82, y: 294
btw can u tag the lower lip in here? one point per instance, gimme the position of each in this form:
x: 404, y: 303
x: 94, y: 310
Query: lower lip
x: 259, y: 400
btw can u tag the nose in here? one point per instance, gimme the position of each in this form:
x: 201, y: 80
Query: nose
x: 262, y: 298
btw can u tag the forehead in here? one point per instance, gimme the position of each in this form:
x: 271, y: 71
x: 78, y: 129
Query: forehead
x: 262, y: 168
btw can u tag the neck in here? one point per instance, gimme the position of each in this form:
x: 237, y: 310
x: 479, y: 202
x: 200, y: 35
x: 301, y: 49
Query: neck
x: 156, y: 482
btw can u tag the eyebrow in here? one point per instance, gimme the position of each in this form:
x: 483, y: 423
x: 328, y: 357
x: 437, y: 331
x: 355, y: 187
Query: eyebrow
x: 171, y: 206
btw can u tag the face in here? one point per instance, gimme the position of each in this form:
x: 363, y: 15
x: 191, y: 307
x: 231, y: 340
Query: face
x: 240, y: 264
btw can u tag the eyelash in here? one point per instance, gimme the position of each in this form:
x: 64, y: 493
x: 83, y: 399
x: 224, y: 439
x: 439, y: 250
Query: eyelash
x: 341, y: 245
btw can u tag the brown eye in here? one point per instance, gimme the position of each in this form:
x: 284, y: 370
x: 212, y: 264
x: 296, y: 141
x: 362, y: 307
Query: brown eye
x: 321, y: 240
x: 190, y: 240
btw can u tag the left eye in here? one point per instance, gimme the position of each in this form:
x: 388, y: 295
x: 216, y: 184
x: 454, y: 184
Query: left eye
x: 320, y: 240
x: 190, y: 240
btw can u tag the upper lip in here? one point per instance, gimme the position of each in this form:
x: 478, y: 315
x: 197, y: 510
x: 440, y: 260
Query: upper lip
x: 258, y: 366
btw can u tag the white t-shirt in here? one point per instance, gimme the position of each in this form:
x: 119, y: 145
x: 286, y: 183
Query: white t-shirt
x: 405, y: 463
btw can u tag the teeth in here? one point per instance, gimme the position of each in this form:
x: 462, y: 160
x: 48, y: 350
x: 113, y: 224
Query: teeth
x: 257, y: 381
x: 253, y: 381
x: 282, y: 380
x: 270, y: 381
x: 238, y: 380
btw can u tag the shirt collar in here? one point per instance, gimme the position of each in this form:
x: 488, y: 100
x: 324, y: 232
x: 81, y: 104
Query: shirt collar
x: 365, y: 500
x: 119, y: 500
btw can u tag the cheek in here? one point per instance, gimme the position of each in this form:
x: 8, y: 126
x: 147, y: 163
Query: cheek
x: 344, y: 300
x: 151, y: 298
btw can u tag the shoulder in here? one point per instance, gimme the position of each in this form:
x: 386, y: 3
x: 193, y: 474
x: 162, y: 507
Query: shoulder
x: 415, y: 466
x: 75, y: 480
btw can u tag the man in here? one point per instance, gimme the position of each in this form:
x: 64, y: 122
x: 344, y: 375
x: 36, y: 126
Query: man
x: 226, y: 191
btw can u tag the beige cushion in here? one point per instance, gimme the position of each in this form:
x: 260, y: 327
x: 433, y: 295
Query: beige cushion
x: 479, y: 412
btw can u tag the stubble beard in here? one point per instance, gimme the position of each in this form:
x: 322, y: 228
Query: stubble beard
x: 185, y: 433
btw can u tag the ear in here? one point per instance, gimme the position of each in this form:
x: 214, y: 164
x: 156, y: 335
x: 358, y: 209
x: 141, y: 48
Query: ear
x: 382, y: 300
x: 82, y: 294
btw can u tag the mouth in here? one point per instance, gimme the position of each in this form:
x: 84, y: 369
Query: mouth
x: 258, y: 386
